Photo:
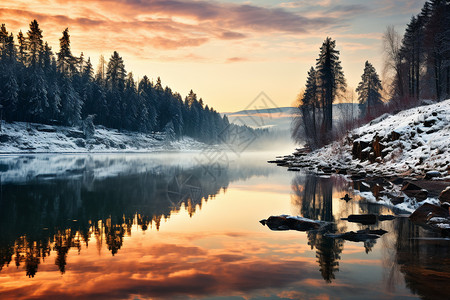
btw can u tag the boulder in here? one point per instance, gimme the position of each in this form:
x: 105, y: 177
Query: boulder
x: 428, y: 211
x: 366, y: 219
x: 432, y: 174
x: 293, y: 223
x: 414, y: 191
x: 359, y: 236
x: 445, y: 195
x: 386, y: 217
x: 409, y: 186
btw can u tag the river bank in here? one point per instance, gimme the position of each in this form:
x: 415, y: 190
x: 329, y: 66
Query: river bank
x: 401, y: 161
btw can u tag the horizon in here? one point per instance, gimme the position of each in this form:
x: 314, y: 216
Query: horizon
x: 227, y: 52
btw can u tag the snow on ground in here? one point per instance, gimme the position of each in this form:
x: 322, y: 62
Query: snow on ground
x: 415, y: 142
x: 423, y: 144
x: 17, y: 138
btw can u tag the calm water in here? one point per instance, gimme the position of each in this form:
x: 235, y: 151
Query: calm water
x: 164, y: 226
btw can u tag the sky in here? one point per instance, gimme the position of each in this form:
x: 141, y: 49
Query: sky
x: 226, y: 51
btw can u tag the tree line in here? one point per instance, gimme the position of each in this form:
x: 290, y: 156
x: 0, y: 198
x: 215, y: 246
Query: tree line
x: 417, y: 66
x: 419, y: 62
x: 40, y: 86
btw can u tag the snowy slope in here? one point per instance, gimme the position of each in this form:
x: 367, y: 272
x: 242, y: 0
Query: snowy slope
x: 16, y: 138
x: 421, y: 144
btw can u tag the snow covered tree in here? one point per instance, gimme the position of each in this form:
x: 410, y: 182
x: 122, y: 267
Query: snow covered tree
x: 37, y: 96
x: 9, y: 90
x: 330, y: 80
x: 70, y: 103
x: 88, y: 127
x: 169, y: 131
x: 369, y: 89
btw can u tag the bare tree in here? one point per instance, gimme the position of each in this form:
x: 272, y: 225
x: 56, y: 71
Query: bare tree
x: 393, y: 68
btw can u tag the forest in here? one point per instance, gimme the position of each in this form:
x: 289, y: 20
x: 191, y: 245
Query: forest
x: 416, y: 68
x: 40, y: 86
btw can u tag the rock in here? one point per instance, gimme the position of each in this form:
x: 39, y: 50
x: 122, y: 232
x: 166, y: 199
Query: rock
x: 377, y: 146
x: 445, y: 195
x: 45, y: 128
x: 414, y: 191
x: 379, y: 232
x: 394, y: 136
x: 341, y: 171
x: 386, y: 217
x: 418, y: 195
x: 287, y: 222
x: 428, y: 211
x: 409, y: 186
x: 433, y: 174
x: 397, y: 180
x: 366, y: 219
x: 398, y: 200
x: 429, y: 122
x: 359, y: 236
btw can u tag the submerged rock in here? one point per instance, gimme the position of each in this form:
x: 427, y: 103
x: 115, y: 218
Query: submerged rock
x: 366, y: 219
x: 285, y: 222
x: 359, y: 236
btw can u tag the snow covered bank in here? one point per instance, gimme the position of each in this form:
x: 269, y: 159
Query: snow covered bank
x: 410, y: 143
x: 395, y: 160
x: 38, y: 138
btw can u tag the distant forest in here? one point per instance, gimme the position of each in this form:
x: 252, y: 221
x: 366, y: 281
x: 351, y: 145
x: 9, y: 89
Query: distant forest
x: 40, y: 86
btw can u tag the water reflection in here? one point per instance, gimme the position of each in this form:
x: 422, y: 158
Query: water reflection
x: 420, y: 255
x: 57, y: 224
x: 46, y: 207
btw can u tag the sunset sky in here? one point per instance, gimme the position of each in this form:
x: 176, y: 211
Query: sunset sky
x: 227, y: 51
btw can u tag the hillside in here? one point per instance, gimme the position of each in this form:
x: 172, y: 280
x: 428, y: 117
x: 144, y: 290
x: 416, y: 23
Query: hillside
x: 280, y: 118
x: 410, y: 143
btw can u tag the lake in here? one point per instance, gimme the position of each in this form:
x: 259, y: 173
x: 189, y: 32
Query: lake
x: 178, y: 226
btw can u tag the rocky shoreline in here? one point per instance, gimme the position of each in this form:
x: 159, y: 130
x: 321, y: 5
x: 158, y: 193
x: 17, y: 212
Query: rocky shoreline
x: 401, y: 161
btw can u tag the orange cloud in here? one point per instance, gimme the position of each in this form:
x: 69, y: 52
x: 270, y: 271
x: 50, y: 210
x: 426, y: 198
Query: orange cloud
x: 159, y: 24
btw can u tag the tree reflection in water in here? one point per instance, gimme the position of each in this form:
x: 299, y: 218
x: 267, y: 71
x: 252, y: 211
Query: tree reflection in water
x: 314, y: 196
x: 40, y: 215
x: 419, y: 254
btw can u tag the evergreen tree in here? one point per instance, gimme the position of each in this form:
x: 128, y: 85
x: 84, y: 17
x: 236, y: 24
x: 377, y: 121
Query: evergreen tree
x: 115, y: 72
x: 37, y: 96
x: 21, y: 53
x: 369, y: 89
x: 330, y: 80
x: 66, y: 61
x: 34, y: 44
x: 71, y: 103
x: 309, y: 107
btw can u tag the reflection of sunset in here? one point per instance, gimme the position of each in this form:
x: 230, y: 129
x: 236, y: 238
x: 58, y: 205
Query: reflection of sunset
x: 157, y: 246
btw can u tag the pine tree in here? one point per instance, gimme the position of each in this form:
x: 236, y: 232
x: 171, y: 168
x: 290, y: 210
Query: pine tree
x: 70, y: 103
x: 308, y: 106
x: 330, y: 80
x: 34, y: 44
x: 9, y: 90
x: 115, y: 72
x: 66, y: 61
x: 37, y: 96
x: 369, y: 89
x: 22, y: 48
